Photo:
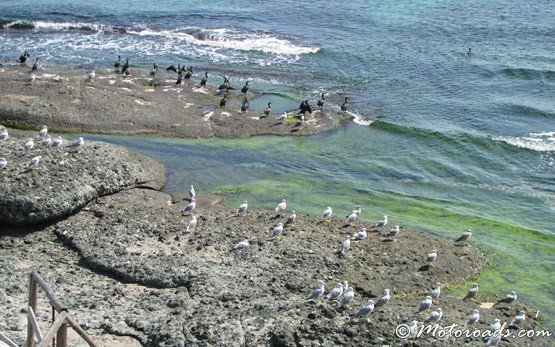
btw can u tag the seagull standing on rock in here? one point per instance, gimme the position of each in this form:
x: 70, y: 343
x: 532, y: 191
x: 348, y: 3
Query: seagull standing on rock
x: 317, y: 292
x: 431, y: 257
x: 336, y: 292
x: 192, y: 224
x: 425, y: 304
x: 281, y: 206
x: 384, y: 298
x: 345, y: 246
x: 348, y: 296
x: 242, y: 208
x: 381, y: 223
x: 473, y: 318
x: 278, y: 229
x: 291, y: 219
x: 4, y: 134
x: 34, y: 161
x: 508, y: 299
x: 190, y: 207
x: 47, y: 141
x: 43, y: 132
x: 434, y: 316
x: 464, y: 237
x: 3, y: 164
x: 437, y: 291
x: 519, y: 318
x: 28, y: 146
x: 326, y: 214
x: 393, y: 232
x: 57, y: 142
x: 366, y: 309
x: 91, y: 76
x: 361, y: 235
x: 351, y: 218
x: 242, y: 245
x: 78, y: 145
x: 471, y: 292
x: 192, y: 193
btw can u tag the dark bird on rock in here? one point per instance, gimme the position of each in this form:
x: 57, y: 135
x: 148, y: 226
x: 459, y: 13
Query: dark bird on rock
x: 345, y: 105
x: 223, y: 101
x: 154, y: 70
x: 117, y: 63
x: 171, y: 68
x: 35, y: 65
x: 125, y: 66
x: 245, y: 88
x: 304, y: 107
x: 225, y: 85
x: 23, y: 57
x: 245, y: 105
x: 320, y: 102
x: 188, y: 73
x: 204, y: 80
x: 268, y: 110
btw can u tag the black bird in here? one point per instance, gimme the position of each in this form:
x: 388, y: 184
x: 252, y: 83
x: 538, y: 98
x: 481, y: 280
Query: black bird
x: 320, y: 102
x: 345, y: 105
x: 23, y: 57
x: 35, y: 65
x: 223, y: 101
x: 117, y: 63
x: 179, y: 78
x: 188, y: 73
x: 182, y: 69
x: 154, y: 70
x: 125, y: 66
x: 245, y: 88
x: 245, y: 105
x: 268, y: 110
x: 171, y: 68
x: 305, y: 107
x: 204, y: 80
x: 127, y: 71
x: 225, y: 85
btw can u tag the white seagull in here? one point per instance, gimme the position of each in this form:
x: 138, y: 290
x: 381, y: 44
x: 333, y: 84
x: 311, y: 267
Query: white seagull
x: 351, y: 218
x: 79, y: 144
x: 471, y: 292
x: 3, y: 163
x: 4, y: 134
x: 29, y: 145
x: 473, y: 318
x: 435, y: 316
x: 281, y: 206
x: 425, y: 304
x: 278, y: 229
x: 291, y: 219
x: 431, y: 256
x: 192, y: 224
x: 242, y: 208
x: 345, y: 245
x: 91, y: 76
x: 437, y: 291
x: 34, y: 161
x: 348, y: 296
x: 519, y: 318
x: 242, y: 245
x: 192, y: 192
x: 43, y: 131
x: 327, y: 213
x: 46, y: 141
x: 57, y: 142
x: 336, y: 292
x: 464, y: 236
x: 366, y: 309
x: 381, y: 223
x: 317, y: 292
x: 361, y: 235
x: 496, y: 325
x: 384, y: 298
x: 190, y: 207
x: 393, y: 232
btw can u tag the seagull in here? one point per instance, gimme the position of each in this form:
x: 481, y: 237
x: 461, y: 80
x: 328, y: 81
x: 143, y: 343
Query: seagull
x: 495, y: 326
x: 192, y: 192
x: 91, y: 76
x: 493, y: 340
x: 4, y: 134
x: 509, y: 298
x: 393, y: 232
x: 43, y: 131
x: 291, y: 219
x: 34, y: 161
x: 317, y: 292
x: 345, y: 246
x: 471, y: 292
x: 361, y: 235
x: 473, y: 318
x: 345, y: 286
x: 381, y: 223
x: 47, y: 141
x: 326, y: 214
x: 242, y: 208
x: 425, y: 304
x: 431, y: 256
x: 348, y: 296
x: 3, y: 163
x: 434, y: 316
x: 351, y: 218
x: 278, y: 229
x: 31, y: 78
x: 519, y: 318
x: 281, y: 206
x: 358, y: 209
x: 79, y: 144
x: 192, y: 224
x: 29, y: 146
x: 384, y: 298
x: 413, y: 330
x: 366, y: 309
x: 282, y: 117
x: 336, y: 292
x: 437, y: 291
x: 190, y: 207
x: 242, y: 245
x: 464, y: 236
x: 57, y: 142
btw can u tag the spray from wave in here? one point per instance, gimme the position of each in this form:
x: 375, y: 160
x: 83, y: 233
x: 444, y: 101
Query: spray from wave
x: 539, y: 142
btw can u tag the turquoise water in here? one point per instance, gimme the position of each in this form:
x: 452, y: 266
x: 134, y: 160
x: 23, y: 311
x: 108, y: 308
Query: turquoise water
x: 459, y: 141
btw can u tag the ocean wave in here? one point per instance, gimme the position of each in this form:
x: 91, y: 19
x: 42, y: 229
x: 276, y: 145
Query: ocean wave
x: 528, y: 73
x: 48, y: 26
x: 539, y: 142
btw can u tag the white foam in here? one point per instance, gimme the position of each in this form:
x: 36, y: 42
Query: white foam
x: 539, y: 142
x: 199, y: 90
x: 187, y: 105
x: 358, y: 119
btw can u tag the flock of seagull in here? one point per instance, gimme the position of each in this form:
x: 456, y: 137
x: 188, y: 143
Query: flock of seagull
x: 185, y: 73
x: 43, y: 141
x: 344, y: 294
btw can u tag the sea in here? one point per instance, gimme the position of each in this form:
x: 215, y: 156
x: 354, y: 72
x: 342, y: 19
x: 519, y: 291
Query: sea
x: 441, y: 140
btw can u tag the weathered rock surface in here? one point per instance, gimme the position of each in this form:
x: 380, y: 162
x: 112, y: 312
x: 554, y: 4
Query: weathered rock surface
x: 66, y: 180
x: 114, y: 105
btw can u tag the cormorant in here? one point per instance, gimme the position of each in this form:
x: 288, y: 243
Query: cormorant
x: 223, y: 101
x: 171, y: 68
x: 116, y: 64
x: 304, y: 107
x: 245, y: 88
x: 154, y: 70
x: 35, y: 65
x: 179, y: 78
x: 225, y: 85
x: 245, y: 105
x: 268, y: 110
x: 320, y: 102
x: 125, y: 66
x: 204, y: 80
x: 23, y: 57
x: 345, y: 105
x: 188, y: 73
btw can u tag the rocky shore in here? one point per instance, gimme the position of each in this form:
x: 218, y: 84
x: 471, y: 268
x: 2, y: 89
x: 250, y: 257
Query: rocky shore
x: 118, y: 255
x: 110, y: 104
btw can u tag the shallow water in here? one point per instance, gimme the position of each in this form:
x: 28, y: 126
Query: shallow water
x: 460, y: 141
